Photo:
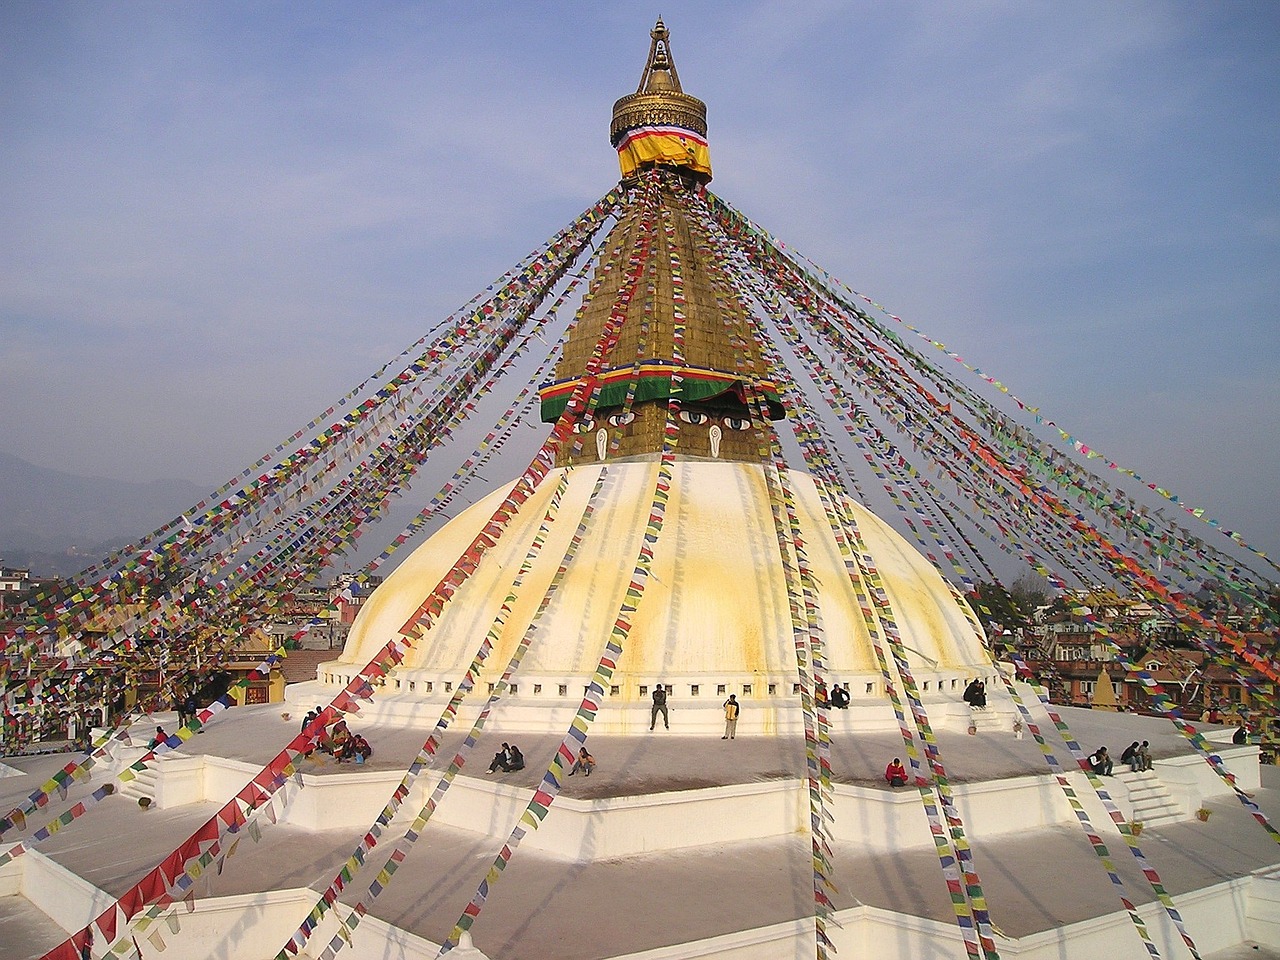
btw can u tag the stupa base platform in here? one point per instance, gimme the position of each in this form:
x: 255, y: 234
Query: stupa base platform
x: 696, y: 703
x: 678, y: 846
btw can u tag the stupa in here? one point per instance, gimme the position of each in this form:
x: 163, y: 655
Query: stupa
x: 715, y: 617
x: 784, y: 842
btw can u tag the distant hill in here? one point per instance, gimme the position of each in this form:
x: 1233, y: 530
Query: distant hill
x: 58, y: 523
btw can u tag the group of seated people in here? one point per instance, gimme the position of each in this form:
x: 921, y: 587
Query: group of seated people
x: 508, y: 759
x: 338, y: 741
x: 975, y: 694
x: 1137, y: 756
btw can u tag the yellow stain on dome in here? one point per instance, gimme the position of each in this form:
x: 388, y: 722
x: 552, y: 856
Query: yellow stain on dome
x: 716, y: 603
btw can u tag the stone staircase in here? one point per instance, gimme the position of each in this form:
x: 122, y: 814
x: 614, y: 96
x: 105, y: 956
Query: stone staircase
x: 988, y: 719
x: 144, y: 784
x: 1152, y: 803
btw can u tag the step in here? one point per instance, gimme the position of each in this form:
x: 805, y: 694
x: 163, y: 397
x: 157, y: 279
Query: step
x: 1149, y: 798
x: 1144, y: 786
x: 143, y: 785
x: 989, y: 719
x: 1163, y: 808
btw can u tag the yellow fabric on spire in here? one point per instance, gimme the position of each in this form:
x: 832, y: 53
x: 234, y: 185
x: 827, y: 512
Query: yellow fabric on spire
x: 674, y: 146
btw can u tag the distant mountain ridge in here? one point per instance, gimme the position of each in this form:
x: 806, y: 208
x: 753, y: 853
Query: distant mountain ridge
x: 59, y: 523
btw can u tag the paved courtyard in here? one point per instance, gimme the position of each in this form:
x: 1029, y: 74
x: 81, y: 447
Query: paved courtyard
x: 1037, y: 881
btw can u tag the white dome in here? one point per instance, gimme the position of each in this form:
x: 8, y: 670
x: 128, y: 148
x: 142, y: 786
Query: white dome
x: 714, y: 612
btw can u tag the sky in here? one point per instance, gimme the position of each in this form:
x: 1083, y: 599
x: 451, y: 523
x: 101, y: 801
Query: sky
x: 215, y: 219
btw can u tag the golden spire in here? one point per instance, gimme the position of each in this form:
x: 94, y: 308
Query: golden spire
x: 660, y: 70
x: 724, y: 375
x: 660, y: 123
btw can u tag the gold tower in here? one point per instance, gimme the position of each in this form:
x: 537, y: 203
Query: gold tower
x: 660, y: 122
x: 660, y: 126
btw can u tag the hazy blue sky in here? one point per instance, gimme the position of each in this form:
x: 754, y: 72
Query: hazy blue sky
x: 216, y: 218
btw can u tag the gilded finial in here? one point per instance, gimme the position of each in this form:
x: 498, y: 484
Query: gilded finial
x: 660, y: 123
x: 660, y: 70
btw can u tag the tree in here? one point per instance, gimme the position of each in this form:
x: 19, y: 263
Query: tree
x: 995, y: 603
x: 1029, y: 592
x: 1013, y: 609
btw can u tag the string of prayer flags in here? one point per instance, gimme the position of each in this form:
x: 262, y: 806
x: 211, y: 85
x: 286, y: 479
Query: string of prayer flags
x: 1079, y: 755
x: 428, y: 750
x: 270, y: 779
x: 967, y: 898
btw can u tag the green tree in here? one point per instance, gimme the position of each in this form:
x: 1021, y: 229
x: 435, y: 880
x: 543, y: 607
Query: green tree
x: 1011, y: 607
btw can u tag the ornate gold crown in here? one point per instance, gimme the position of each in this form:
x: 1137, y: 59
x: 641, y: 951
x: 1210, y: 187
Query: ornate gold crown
x: 658, y: 100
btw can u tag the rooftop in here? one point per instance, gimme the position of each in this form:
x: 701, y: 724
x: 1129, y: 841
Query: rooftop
x: 669, y: 897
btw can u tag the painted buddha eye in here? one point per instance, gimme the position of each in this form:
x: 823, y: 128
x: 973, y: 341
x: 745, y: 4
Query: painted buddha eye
x: 584, y: 426
x: 736, y: 423
x: 693, y: 416
x: 621, y: 419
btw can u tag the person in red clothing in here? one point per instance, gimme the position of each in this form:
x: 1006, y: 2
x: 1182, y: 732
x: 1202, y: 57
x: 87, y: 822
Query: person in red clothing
x: 360, y: 749
x: 341, y: 743
x: 895, y: 774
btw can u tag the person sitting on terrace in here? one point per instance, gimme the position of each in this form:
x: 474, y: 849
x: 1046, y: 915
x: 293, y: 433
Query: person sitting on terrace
x: 515, y: 759
x: 1100, y: 762
x: 1130, y: 756
x: 975, y: 694
x: 895, y: 774
x: 585, y: 762
x: 360, y: 749
x: 502, y: 759
x: 340, y: 744
x: 1143, y: 757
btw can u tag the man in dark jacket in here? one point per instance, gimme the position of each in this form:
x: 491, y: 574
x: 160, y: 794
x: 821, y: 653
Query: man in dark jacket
x: 1130, y: 756
x: 659, y: 706
x: 501, y: 759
